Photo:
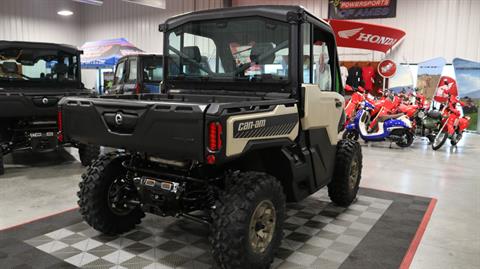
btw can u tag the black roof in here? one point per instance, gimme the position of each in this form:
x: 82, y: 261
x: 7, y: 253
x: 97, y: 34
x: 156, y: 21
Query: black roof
x: 38, y: 45
x: 143, y: 55
x: 275, y: 12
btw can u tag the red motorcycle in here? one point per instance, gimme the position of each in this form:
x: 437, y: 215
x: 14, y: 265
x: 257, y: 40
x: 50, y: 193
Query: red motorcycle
x: 453, y: 124
x: 385, y: 107
x: 354, y: 103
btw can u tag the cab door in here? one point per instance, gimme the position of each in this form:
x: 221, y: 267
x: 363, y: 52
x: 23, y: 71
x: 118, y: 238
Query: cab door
x: 130, y: 86
x: 119, y: 78
x: 321, y: 101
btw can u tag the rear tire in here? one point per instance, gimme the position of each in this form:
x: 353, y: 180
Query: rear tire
x: 455, y: 140
x: 408, y: 140
x: 88, y: 153
x: 247, y: 222
x: 352, y: 135
x: 94, y: 198
x: 2, y: 167
x: 344, y: 186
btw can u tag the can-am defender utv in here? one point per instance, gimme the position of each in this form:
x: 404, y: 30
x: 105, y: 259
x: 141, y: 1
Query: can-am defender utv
x: 33, y: 78
x: 248, y: 121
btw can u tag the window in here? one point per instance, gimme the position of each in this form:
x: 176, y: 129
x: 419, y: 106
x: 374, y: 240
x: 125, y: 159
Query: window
x: 241, y: 49
x: 132, y: 71
x: 153, y: 69
x: 318, y: 67
x: 307, y: 32
x: 119, y: 73
x: 322, y: 62
x: 33, y: 65
x: 208, y: 53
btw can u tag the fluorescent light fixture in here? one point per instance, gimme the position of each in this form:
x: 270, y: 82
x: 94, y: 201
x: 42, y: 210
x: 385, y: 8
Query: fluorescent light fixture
x: 91, y: 2
x: 65, y: 12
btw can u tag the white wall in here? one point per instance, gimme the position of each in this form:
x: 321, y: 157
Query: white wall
x: 37, y: 20
x: 139, y: 24
x: 446, y: 28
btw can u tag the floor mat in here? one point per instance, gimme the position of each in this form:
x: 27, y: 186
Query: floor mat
x: 374, y: 232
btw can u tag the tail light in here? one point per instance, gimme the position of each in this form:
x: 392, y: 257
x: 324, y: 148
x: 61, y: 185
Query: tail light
x: 215, y: 136
x: 60, y: 125
x: 138, y: 88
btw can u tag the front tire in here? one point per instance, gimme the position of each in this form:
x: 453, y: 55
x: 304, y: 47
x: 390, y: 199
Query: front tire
x: 344, y: 186
x: 247, y: 222
x: 88, y: 153
x: 439, y: 140
x: 101, y: 180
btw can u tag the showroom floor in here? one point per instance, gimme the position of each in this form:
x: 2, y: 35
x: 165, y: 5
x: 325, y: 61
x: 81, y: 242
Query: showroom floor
x: 452, y: 238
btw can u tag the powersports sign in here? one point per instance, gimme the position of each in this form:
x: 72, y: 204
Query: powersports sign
x: 361, y: 9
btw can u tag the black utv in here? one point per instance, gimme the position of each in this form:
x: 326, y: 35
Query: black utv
x: 236, y: 138
x: 137, y: 74
x: 33, y: 78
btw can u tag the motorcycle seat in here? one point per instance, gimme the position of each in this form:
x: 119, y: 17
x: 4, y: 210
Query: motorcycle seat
x: 392, y: 116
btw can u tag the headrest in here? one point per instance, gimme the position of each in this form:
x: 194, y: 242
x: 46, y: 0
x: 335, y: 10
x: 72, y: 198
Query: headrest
x: 193, y: 52
x: 259, y: 53
x: 10, y: 67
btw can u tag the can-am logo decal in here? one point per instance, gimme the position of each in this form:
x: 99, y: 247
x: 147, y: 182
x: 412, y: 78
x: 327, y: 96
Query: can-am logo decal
x: 243, y: 126
x: 365, y: 37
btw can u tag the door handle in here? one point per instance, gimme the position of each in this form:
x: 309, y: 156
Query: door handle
x: 338, y: 103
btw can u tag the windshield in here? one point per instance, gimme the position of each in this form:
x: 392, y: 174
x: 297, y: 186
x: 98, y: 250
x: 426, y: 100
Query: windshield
x: 38, y: 65
x: 250, y: 49
x: 153, y: 69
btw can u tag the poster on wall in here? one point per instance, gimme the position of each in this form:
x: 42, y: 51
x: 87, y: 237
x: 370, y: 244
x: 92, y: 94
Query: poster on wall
x: 428, y: 76
x: 402, y: 81
x: 468, y: 83
x: 361, y: 9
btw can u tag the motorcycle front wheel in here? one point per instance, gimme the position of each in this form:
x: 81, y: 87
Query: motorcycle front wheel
x: 439, y: 140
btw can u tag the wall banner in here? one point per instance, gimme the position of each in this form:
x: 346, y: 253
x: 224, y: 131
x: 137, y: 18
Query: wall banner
x: 468, y: 81
x: 429, y: 73
x: 361, y: 9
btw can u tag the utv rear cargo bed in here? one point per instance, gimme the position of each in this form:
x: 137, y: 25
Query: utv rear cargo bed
x: 173, y: 130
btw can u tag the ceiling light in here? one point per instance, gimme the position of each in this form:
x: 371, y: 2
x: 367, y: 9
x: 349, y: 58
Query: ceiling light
x: 65, y: 12
x: 91, y: 2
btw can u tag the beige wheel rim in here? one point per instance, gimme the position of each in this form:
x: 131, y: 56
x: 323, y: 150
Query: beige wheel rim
x: 353, y: 173
x: 262, y: 226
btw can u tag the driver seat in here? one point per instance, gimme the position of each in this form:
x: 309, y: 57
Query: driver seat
x: 388, y: 117
x: 262, y: 53
x: 193, y: 53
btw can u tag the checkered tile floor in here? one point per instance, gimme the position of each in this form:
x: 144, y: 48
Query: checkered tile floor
x: 317, y: 235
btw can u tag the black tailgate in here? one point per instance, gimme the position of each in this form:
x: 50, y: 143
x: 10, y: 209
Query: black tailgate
x: 14, y: 104
x: 169, y: 129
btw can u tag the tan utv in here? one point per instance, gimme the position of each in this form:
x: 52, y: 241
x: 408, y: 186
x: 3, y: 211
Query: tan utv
x: 248, y: 119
